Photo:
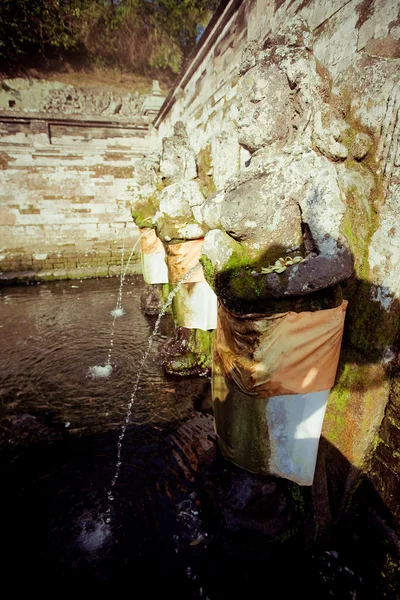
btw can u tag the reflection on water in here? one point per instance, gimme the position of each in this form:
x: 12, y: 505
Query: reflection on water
x: 53, y: 359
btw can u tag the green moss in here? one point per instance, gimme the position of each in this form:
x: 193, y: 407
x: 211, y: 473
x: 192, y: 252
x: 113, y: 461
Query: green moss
x: 341, y: 396
x: 351, y: 379
x: 143, y: 211
x: 165, y: 293
x: 162, y: 182
x: 201, y: 341
x: 348, y: 136
x: 393, y: 422
x: 377, y: 440
x: 208, y: 270
x: 45, y: 276
x: 359, y: 224
x: 195, y: 356
x: 391, y: 569
x: 243, y: 285
x: 204, y: 166
x: 298, y: 497
x: 370, y: 328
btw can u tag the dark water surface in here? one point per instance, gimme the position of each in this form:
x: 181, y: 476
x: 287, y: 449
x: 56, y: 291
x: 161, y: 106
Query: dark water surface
x: 58, y: 434
x: 52, y: 334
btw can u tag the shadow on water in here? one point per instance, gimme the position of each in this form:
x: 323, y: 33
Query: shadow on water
x: 186, y: 522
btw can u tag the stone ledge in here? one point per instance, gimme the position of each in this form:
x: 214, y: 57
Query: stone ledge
x: 16, y: 277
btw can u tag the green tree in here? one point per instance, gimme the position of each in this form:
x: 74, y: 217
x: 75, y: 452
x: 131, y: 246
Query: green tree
x: 139, y: 35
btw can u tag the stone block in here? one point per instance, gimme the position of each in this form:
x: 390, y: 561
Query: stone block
x: 7, y: 218
x: 74, y: 273
x: 114, y: 270
x: 356, y: 406
x: 390, y: 430
x: 375, y: 25
x: 102, y: 271
x: 45, y: 276
x: 60, y: 274
x: 387, y: 484
x: 317, y: 13
x: 88, y: 272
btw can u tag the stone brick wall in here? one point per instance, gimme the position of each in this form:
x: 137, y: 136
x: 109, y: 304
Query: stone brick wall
x: 357, y: 45
x: 204, y: 95
x: 66, y: 186
x: 385, y: 463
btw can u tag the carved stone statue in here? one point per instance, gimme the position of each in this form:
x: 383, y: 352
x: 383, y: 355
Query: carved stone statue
x: 287, y: 204
x: 276, y: 251
x: 173, y: 209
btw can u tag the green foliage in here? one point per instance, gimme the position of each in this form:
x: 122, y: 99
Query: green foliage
x: 27, y: 24
x: 139, y: 35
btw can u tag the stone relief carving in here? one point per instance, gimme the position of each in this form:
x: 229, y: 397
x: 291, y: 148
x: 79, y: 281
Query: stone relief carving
x: 78, y: 101
x: 53, y: 97
x: 289, y: 202
x: 180, y: 199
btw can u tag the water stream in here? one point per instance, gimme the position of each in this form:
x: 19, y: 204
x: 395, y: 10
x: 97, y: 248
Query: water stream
x: 142, y: 363
x: 105, y: 370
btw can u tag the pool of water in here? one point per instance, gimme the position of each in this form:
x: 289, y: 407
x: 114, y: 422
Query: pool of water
x: 54, y: 335
x: 59, y: 427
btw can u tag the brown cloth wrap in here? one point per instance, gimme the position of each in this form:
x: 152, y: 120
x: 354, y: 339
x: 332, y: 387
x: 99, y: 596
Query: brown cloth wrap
x: 258, y: 357
x: 149, y: 242
x: 288, y: 353
x: 183, y: 257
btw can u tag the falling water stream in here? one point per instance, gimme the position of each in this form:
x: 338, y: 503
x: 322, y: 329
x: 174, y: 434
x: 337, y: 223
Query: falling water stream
x: 118, y: 311
x: 106, y: 370
x: 163, y: 310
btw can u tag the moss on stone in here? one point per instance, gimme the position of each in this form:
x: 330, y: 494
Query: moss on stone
x: 208, y: 269
x: 162, y: 182
x: 165, y: 293
x: 298, y: 497
x: 377, y: 440
x: 370, y: 327
x: 204, y: 166
x: 356, y: 405
x: 143, y: 211
x: 192, y: 355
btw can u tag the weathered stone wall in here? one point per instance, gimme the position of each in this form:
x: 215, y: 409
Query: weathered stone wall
x: 67, y: 176
x: 204, y: 95
x: 27, y: 95
x: 356, y: 44
x: 65, y: 193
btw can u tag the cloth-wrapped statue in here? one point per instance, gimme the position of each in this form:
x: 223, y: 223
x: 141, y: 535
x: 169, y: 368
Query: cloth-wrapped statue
x: 275, y: 255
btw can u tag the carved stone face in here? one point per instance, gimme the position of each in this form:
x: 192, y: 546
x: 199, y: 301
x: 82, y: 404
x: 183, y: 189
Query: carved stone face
x: 264, y: 107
